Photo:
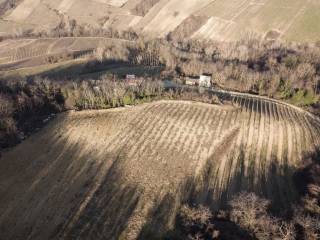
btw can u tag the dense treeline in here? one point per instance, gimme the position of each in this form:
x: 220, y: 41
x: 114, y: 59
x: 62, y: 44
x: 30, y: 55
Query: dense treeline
x: 267, y: 68
x: 24, y: 106
x: 279, y: 70
x: 109, y: 93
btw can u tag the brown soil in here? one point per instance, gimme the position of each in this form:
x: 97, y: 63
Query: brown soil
x: 123, y: 172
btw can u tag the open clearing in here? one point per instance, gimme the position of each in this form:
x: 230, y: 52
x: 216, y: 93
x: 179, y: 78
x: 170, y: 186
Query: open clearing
x: 119, y: 173
x: 294, y: 20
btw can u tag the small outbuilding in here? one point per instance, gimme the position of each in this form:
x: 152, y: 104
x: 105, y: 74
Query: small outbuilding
x: 132, y: 80
x: 130, y: 76
x: 192, y: 81
x: 205, y: 80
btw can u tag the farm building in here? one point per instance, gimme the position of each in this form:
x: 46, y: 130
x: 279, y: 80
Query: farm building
x: 96, y: 89
x: 130, y: 76
x: 202, y: 81
x: 132, y: 80
x: 192, y: 81
x: 205, y: 80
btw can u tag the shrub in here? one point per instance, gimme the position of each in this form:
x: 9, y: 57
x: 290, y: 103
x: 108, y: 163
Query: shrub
x: 303, y: 98
x: 250, y: 212
x: 291, y: 62
x: 195, y: 223
x: 310, y: 225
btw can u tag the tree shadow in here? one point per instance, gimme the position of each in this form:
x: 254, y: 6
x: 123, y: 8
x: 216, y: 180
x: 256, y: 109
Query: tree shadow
x: 308, y: 174
x: 75, y: 70
x: 94, y: 68
x: 160, y: 218
x: 164, y: 221
x: 276, y: 184
x: 106, y: 215
x: 62, y: 193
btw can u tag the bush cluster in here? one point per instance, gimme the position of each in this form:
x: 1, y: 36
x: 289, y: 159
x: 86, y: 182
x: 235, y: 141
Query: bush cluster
x: 247, y: 217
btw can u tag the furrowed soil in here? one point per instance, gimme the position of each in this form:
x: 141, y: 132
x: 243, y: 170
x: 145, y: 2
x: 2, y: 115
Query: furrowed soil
x: 123, y: 173
x: 227, y: 20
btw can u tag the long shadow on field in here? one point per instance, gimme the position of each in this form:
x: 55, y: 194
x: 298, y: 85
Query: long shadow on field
x: 63, y: 192
x: 164, y: 222
x: 75, y: 70
x: 281, y: 183
x: 106, y: 215
x: 96, y: 69
x: 274, y: 182
x: 160, y: 217
x: 307, y: 177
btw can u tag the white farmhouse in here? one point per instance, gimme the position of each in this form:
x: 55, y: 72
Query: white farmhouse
x: 205, y: 81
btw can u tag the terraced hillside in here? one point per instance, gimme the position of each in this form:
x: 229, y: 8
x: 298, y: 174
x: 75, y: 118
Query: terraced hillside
x: 124, y: 172
x: 23, y: 49
x: 27, y: 53
x: 33, y: 54
x: 294, y: 20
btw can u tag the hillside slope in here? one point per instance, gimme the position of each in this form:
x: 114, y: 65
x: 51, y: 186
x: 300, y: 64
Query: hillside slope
x: 294, y: 20
x: 124, y: 172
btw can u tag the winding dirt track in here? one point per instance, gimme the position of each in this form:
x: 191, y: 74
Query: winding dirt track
x: 124, y: 172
